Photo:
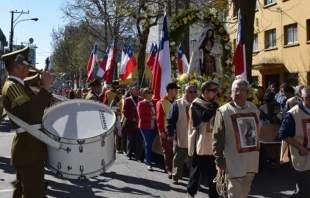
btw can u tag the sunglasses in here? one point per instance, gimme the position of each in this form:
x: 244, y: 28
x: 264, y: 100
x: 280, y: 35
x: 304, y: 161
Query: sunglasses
x: 213, y: 90
x: 191, y: 92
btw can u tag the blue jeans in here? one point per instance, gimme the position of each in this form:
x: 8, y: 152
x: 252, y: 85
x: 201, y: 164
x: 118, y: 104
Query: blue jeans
x: 148, y: 136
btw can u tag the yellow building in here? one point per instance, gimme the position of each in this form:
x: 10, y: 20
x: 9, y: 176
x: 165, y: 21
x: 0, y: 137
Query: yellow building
x: 281, y: 47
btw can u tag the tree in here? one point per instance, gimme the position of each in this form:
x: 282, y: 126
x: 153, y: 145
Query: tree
x: 247, y: 10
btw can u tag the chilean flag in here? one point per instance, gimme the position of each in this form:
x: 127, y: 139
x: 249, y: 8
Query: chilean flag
x: 182, y: 60
x: 129, y: 64
x: 93, y: 59
x: 239, y: 58
x: 109, y: 67
x: 151, y: 59
x: 162, y: 67
x: 101, y: 71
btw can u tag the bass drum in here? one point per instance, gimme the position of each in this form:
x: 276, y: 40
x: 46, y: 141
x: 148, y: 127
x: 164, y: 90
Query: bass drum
x: 86, y: 130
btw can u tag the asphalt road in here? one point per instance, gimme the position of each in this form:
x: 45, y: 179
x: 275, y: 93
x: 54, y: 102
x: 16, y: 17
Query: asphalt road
x: 130, y: 179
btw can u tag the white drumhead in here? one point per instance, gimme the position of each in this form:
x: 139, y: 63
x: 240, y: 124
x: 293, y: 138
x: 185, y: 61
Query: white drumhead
x: 78, y: 119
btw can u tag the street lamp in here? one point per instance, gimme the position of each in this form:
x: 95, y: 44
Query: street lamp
x: 13, y: 27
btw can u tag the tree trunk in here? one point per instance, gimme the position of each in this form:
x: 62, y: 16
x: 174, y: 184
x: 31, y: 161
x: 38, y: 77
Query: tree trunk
x: 141, y: 57
x: 247, y: 9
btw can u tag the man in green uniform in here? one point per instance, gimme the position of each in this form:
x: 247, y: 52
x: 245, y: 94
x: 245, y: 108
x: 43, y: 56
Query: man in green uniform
x: 28, y: 153
x: 95, y: 88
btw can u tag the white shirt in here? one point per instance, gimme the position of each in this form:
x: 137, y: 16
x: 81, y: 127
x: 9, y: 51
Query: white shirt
x: 16, y: 78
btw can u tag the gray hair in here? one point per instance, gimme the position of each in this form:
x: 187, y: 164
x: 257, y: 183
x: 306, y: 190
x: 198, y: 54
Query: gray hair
x: 240, y: 82
x: 298, y: 89
x: 189, y: 86
x: 305, y: 91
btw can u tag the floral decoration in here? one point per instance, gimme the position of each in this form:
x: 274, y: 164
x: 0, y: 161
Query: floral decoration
x: 204, y: 15
x: 224, y: 82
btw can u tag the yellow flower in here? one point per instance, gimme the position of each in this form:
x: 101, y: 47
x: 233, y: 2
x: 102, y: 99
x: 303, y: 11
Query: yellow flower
x: 221, y: 30
x: 225, y: 38
x: 222, y: 99
x: 193, y: 82
x: 219, y: 76
x: 183, y: 77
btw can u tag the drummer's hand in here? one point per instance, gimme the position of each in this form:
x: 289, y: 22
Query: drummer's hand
x: 162, y: 135
x: 46, y: 80
x: 303, y: 151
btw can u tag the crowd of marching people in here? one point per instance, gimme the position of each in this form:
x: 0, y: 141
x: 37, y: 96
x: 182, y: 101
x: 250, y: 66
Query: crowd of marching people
x: 221, y: 141
x: 195, y: 128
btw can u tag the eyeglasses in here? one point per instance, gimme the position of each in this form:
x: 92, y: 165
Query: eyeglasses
x: 191, y: 92
x: 213, y: 90
x: 241, y: 92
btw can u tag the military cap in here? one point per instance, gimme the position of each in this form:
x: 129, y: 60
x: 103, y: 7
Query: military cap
x: 20, y: 56
x: 95, y: 82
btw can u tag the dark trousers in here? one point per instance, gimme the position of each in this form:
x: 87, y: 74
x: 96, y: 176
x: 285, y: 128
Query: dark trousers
x: 29, y: 181
x: 302, y: 179
x: 167, y: 147
x: 134, y: 144
x: 148, y: 136
x: 124, y: 142
x: 202, y: 163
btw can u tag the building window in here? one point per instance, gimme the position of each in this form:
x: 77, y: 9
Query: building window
x: 308, y: 29
x: 290, y: 32
x: 270, y: 39
x: 255, y: 43
x: 269, y: 1
x: 291, y: 79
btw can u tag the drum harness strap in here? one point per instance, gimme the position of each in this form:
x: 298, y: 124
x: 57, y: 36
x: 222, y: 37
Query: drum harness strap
x: 21, y: 130
x: 34, y: 132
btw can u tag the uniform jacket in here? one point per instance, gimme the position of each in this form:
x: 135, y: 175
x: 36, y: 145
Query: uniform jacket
x: 130, y: 112
x: 92, y: 96
x: 24, y: 104
x: 145, y: 114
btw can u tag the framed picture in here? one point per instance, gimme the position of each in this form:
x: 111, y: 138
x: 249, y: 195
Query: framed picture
x: 247, y: 131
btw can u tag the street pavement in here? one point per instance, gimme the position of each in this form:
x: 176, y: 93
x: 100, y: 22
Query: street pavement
x: 130, y: 179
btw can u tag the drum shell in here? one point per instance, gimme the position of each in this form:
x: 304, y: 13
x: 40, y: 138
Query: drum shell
x: 85, y: 157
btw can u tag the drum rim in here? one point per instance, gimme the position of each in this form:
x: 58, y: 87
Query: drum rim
x: 87, y: 140
x: 106, y: 167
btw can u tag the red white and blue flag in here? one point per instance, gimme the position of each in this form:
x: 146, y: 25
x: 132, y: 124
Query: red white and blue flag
x: 93, y: 59
x: 109, y: 67
x: 182, y: 60
x: 101, y: 71
x: 239, y: 60
x: 162, y: 67
x: 128, y: 64
x: 151, y: 59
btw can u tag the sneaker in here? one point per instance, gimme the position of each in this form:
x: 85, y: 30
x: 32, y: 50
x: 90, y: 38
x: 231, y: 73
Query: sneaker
x: 149, y: 168
x: 189, y: 196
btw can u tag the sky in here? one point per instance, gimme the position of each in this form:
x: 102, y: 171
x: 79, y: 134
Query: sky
x: 49, y: 14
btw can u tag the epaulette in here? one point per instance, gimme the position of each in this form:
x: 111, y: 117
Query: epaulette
x: 16, y: 94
